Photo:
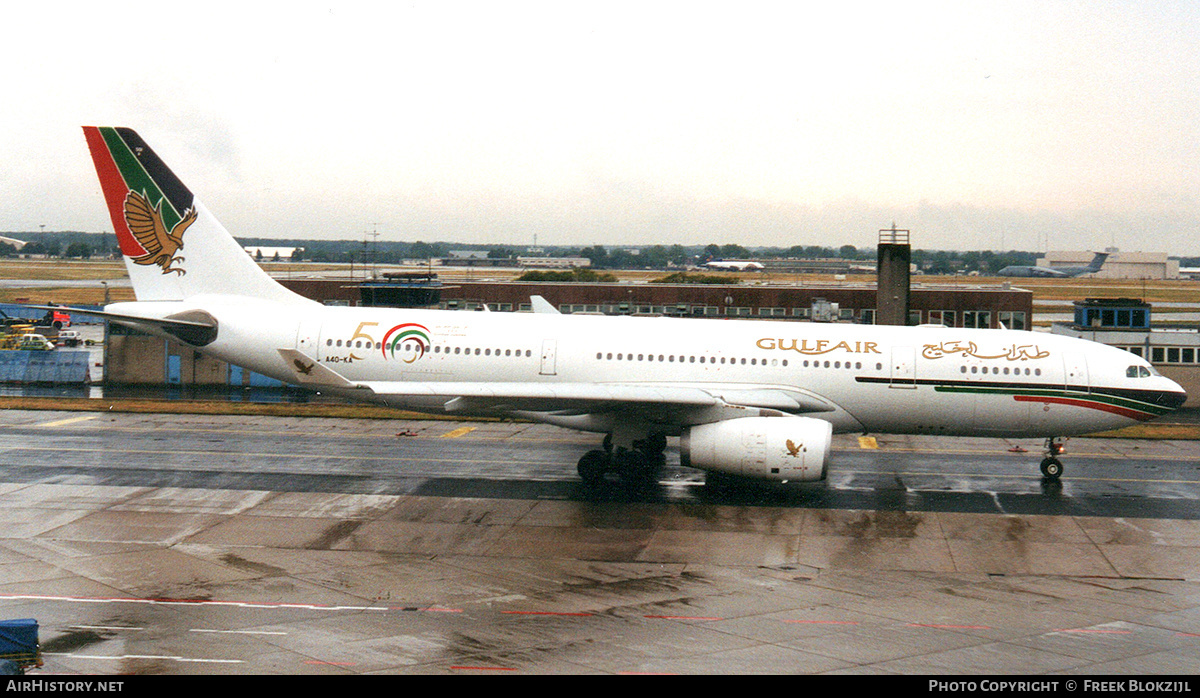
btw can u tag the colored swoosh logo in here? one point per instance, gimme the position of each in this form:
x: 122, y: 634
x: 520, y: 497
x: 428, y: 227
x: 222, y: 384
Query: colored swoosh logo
x: 399, y: 334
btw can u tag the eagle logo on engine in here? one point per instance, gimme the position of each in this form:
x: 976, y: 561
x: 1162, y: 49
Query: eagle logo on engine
x: 793, y: 448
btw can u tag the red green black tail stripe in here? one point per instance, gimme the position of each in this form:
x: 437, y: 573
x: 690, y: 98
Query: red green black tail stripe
x: 125, y: 163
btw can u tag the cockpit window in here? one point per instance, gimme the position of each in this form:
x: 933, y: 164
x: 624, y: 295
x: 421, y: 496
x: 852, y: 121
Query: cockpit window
x: 1139, y: 372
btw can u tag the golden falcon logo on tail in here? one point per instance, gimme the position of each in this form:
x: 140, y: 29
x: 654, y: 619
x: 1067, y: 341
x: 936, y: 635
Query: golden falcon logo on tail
x: 146, y: 224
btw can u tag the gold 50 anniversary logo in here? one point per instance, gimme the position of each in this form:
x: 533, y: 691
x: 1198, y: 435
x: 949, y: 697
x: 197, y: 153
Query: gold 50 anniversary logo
x: 394, y: 339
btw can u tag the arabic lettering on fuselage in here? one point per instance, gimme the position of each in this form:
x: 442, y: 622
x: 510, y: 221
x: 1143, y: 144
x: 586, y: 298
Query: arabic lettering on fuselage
x: 817, y: 346
x: 1022, y: 352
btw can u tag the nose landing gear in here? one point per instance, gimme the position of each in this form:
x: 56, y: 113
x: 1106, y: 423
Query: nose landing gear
x: 1052, y: 467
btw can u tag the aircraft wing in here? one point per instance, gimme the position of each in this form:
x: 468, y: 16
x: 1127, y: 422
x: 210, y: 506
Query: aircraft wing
x: 580, y: 398
x: 583, y: 398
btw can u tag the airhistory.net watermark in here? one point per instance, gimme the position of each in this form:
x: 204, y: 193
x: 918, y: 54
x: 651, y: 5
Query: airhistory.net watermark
x: 43, y: 685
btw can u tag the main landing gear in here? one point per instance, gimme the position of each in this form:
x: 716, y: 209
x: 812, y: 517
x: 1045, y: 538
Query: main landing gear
x: 1052, y: 467
x: 638, y: 463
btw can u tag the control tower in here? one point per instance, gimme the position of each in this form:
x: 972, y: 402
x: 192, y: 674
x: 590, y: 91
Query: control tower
x: 892, y: 264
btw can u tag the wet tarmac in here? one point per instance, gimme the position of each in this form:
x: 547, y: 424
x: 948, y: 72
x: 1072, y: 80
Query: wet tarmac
x: 202, y: 544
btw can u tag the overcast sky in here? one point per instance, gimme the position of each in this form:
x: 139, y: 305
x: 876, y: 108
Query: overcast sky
x: 977, y: 125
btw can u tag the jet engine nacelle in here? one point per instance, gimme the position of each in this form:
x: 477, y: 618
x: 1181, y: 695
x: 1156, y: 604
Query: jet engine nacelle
x: 776, y: 448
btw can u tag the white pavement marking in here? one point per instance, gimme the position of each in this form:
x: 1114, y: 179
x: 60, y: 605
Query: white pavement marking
x: 238, y: 632
x: 186, y: 602
x: 119, y: 657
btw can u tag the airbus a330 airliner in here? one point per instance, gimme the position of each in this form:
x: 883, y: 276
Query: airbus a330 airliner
x: 748, y: 397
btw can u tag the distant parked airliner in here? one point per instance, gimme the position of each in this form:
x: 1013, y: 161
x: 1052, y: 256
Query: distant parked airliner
x: 1056, y: 272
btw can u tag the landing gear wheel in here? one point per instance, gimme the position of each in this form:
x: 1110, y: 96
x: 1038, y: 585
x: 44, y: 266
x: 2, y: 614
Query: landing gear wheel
x: 1052, y: 468
x: 592, y: 467
x: 630, y: 465
x: 636, y: 468
x: 635, y: 465
x: 654, y: 444
x: 715, y: 481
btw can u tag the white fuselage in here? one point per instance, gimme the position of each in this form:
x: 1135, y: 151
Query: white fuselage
x: 865, y: 378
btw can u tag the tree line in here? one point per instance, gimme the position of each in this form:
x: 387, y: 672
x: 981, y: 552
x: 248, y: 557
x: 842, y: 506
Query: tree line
x: 78, y: 245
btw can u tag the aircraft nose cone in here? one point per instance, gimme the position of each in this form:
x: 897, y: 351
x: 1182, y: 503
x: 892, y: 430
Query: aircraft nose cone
x: 1173, y: 397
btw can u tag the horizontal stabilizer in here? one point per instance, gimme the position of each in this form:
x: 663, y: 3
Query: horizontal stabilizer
x: 195, y: 327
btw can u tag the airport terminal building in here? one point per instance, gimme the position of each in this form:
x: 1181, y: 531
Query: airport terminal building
x: 1126, y: 323
x: 953, y: 305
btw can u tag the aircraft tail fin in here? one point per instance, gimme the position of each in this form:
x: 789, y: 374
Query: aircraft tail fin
x: 173, y: 247
x: 1097, y: 261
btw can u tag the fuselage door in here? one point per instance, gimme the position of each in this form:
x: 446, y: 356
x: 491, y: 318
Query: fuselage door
x: 308, y: 337
x: 549, y: 357
x: 904, y: 367
x: 1076, y: 368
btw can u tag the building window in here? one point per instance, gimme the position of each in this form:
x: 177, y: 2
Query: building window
x: 1013, y: 319
x: 977, y: 318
